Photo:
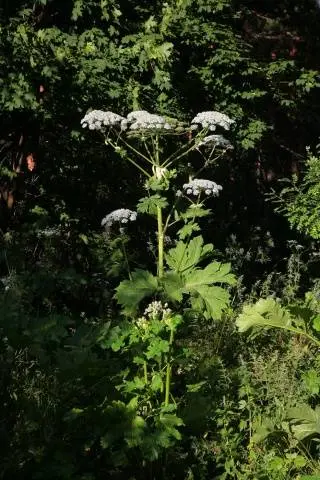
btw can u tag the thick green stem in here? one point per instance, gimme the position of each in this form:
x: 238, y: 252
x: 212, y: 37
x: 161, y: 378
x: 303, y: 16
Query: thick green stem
x: 124, y: 251
x: 145, y: 372
x: 168, y: 374
x: 131, y: 161
x: 160, y: 242
x: 136, y: 151
x: 184, y: 150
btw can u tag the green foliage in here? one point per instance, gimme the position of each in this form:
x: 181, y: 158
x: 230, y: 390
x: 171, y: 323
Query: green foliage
x: 130, y: 292
x: 184, y: 257
x: 268, y: 313
x: 149, y: 204
x: 211, y: 300
x: 299, y: 202
x: 305, y: 421
x: 90, y: 391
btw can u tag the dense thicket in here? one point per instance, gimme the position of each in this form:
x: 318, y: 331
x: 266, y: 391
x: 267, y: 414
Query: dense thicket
x: 258, y: 62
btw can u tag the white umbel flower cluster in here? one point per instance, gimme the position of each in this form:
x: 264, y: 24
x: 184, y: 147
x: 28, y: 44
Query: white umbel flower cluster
x: 49, y: 232
x: 154, y: 311
x: 143, y: 120
x: 97, y: 120
x: 137, y: 120
x: 122, y: 215
x: 215, y: 140
x: 211, y: 120
x: 198, y: 185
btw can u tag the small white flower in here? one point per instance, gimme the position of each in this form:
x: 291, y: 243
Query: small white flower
x: 156, y: 310
x: 49, y: 232
x: 211, y: 120
x: 143, y: 120
x: 215, y: 140
x: 122, y: 215
x: 142, y: 323
x: 97, y: 119
x: 198, y: 185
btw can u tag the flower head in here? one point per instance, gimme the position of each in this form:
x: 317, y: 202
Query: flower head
x: 97, y: 120
x: 156, y: 310
x: 143, y: 120
x: 122, y: 216
x: 215, y: 140
x: 198, y: 185
x: 137, y: 120
x: 49, y: 232
x: 211, y: 120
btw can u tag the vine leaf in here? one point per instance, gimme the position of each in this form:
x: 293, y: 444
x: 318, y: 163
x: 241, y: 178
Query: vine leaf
x: 129, y: 293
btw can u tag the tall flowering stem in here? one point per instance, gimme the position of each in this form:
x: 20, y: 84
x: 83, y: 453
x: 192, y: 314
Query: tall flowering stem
x: 168, y: 373
x: 160, y: 242
x: 139, y: 139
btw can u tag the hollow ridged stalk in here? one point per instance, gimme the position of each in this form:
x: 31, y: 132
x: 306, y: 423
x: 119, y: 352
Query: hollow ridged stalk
x: 160, y: 242
x: 168, y: 374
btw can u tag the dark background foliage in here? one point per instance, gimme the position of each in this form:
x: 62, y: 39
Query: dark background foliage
x: 256, y: 61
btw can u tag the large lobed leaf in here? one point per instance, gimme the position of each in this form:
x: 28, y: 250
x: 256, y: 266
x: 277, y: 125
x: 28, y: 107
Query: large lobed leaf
x: 186, y: 256
x: 130, y: 292
x: 264, y: 313
x: 206, y: 297
x: 305, y: 421
x: 215, y: 272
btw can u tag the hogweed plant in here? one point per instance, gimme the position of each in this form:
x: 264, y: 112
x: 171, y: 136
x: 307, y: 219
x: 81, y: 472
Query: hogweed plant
x: 156, y: 304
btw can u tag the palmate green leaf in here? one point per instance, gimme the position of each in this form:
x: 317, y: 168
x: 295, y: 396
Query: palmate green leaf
x: 149, y: 204
x: 304, y: 421
x: 135, y: 435
x: 316, y: 323
x: 195, y: 211
x: 264, y: 313
x: 186, y: 256
x: 198, y: 283
x: 156, y: 383
x: 311, y: 380
x: 263, y: 430
x: 268, y: 313
x: 213, y: 301
x: 195, y: 387
x: 157, y: 347
x: 215, y: 272
x: 187, y: 230
x: 167, y: 429
x: 173, y: 286
x: 129, y: 386
x: 130, y: 292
